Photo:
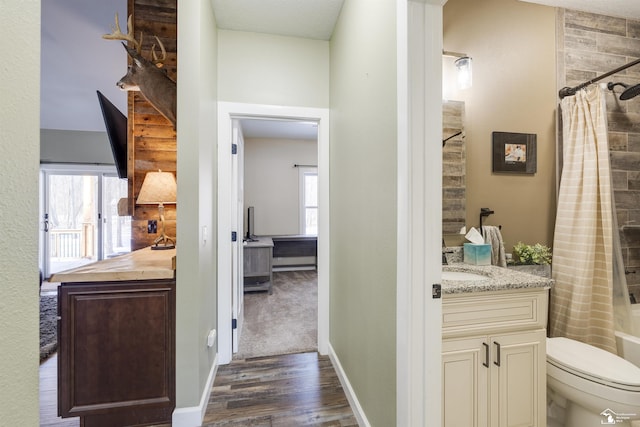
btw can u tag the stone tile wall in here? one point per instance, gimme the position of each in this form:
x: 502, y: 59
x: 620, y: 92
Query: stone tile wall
x: 590, y: 45
x: 453, y: 168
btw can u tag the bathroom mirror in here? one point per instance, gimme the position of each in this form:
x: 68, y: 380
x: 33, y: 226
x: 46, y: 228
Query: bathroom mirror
x: 453, y: 168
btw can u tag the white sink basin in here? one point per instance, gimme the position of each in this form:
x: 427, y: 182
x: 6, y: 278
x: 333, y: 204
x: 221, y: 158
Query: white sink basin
x: 462, y: 276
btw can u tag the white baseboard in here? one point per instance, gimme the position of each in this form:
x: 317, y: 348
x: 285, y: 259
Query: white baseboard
x: 348, y: 390
x: 192, y: 416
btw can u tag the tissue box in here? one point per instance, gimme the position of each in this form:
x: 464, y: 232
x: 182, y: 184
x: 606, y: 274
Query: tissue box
x: 477, y: 254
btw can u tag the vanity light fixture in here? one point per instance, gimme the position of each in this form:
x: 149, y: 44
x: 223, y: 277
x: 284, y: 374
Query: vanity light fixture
x: 463, y: 68
x: 465, y: 75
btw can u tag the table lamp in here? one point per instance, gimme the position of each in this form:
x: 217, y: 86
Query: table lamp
x: 159, y: 188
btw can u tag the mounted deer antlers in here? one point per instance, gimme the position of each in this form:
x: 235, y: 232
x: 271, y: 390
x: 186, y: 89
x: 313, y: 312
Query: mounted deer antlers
x: 159, y: 62
x: 116, y: 34
x: 146, y: 76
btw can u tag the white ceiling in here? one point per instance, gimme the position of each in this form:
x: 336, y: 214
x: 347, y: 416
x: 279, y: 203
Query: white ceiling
x: 76, y: 61
x: 312, y: 19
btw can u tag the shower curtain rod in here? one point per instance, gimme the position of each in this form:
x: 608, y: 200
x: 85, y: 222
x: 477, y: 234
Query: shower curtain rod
x: 568, y: 91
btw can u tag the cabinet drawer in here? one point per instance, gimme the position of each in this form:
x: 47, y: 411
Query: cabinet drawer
x: 489, y: 312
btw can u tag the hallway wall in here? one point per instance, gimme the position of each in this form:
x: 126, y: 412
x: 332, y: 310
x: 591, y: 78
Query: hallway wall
x: 19, y: 163
x: 196, y: 297
x: 364, y: 204
x: 273, y: 70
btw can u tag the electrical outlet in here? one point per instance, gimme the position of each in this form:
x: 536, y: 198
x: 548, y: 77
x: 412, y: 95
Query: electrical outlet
x: 152, y: 226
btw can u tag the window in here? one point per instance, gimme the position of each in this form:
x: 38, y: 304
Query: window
x: 309, y: 200
x: 80, y: 221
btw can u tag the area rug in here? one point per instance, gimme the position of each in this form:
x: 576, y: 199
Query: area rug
x: 284, y: 322
x: 48, y: 325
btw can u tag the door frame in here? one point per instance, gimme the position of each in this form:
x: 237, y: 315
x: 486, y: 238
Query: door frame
x: 237, y: 222
x: 227, y: 111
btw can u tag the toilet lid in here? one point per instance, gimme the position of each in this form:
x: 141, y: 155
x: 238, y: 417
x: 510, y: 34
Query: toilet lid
x: 593, y: 363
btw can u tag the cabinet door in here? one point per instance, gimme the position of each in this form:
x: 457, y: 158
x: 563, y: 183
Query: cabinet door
x: 116, y: 360
x: 518, y: 379
x: 464, y: 382
x: 257, y: 261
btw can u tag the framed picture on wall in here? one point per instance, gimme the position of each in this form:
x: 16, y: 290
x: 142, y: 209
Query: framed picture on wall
x: 514, y: 152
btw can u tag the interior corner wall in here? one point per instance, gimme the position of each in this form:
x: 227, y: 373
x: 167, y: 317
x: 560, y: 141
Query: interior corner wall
x: 72, y: 146
x: 271, y: 182
x: 196, y: 304
x: 272, y: 70
x: 512, y: 44
x: 19, y: 163
x: 363, y: 158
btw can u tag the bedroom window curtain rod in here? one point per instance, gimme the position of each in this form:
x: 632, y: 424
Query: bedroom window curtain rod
x: 568, y: 91
x: 304, y: 166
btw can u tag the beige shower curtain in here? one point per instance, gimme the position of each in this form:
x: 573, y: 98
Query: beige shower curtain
x: 581, y: 298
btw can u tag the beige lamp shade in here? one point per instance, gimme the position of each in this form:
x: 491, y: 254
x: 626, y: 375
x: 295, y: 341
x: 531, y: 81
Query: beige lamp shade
x: 157, y: 188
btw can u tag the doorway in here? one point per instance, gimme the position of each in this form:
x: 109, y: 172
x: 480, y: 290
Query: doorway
x: 80, y: 221
x: 227, y: 114
x: 279, y: 297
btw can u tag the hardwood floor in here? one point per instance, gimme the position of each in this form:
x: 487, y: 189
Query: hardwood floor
x: 276, y: 391
x: 289, y: 390
x: 49, y: 396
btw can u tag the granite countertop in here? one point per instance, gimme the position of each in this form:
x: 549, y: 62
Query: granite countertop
x: 498, y: 279
x: 143, y: 264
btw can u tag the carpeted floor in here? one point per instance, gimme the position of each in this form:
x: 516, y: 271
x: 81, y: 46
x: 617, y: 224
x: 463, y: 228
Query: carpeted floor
x: 48, y: 326
x: 284, y: 322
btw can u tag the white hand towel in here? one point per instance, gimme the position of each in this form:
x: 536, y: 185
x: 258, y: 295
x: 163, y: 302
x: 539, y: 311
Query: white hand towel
x: 493, y: 236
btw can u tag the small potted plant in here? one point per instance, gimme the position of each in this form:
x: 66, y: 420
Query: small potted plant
x: 532, y: 259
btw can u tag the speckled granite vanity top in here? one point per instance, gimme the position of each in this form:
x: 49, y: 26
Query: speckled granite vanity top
x: 497, y: 279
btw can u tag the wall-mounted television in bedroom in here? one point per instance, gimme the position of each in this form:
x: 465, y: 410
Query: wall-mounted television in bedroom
x: 116, y: 124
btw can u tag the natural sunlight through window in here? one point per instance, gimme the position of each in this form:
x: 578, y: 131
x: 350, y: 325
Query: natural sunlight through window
x: 309, y: 201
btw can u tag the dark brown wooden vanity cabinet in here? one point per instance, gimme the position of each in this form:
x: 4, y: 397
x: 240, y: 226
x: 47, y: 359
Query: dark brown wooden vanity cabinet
x: 116, y: 356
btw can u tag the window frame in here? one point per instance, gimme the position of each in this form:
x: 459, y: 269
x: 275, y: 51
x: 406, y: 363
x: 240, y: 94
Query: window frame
x: 303, y: 171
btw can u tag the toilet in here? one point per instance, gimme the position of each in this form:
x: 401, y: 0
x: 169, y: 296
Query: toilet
x: 590, y: 386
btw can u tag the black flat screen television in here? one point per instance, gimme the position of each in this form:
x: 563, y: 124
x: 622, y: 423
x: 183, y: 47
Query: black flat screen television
x: 116, y: 124
x: 250, y: 224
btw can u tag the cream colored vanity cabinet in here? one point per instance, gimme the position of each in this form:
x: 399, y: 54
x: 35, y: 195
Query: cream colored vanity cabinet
x: 494, y: 358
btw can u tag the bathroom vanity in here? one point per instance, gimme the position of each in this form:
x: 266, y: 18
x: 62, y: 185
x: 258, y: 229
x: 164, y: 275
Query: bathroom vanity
x: 493, y: 347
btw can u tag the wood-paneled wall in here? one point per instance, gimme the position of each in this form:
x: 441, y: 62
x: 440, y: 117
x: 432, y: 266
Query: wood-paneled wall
x: 152, y: 138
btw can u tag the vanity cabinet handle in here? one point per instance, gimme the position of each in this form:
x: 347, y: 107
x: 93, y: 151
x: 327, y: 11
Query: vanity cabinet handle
x: 486, y: 355
x: 497, y: 361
